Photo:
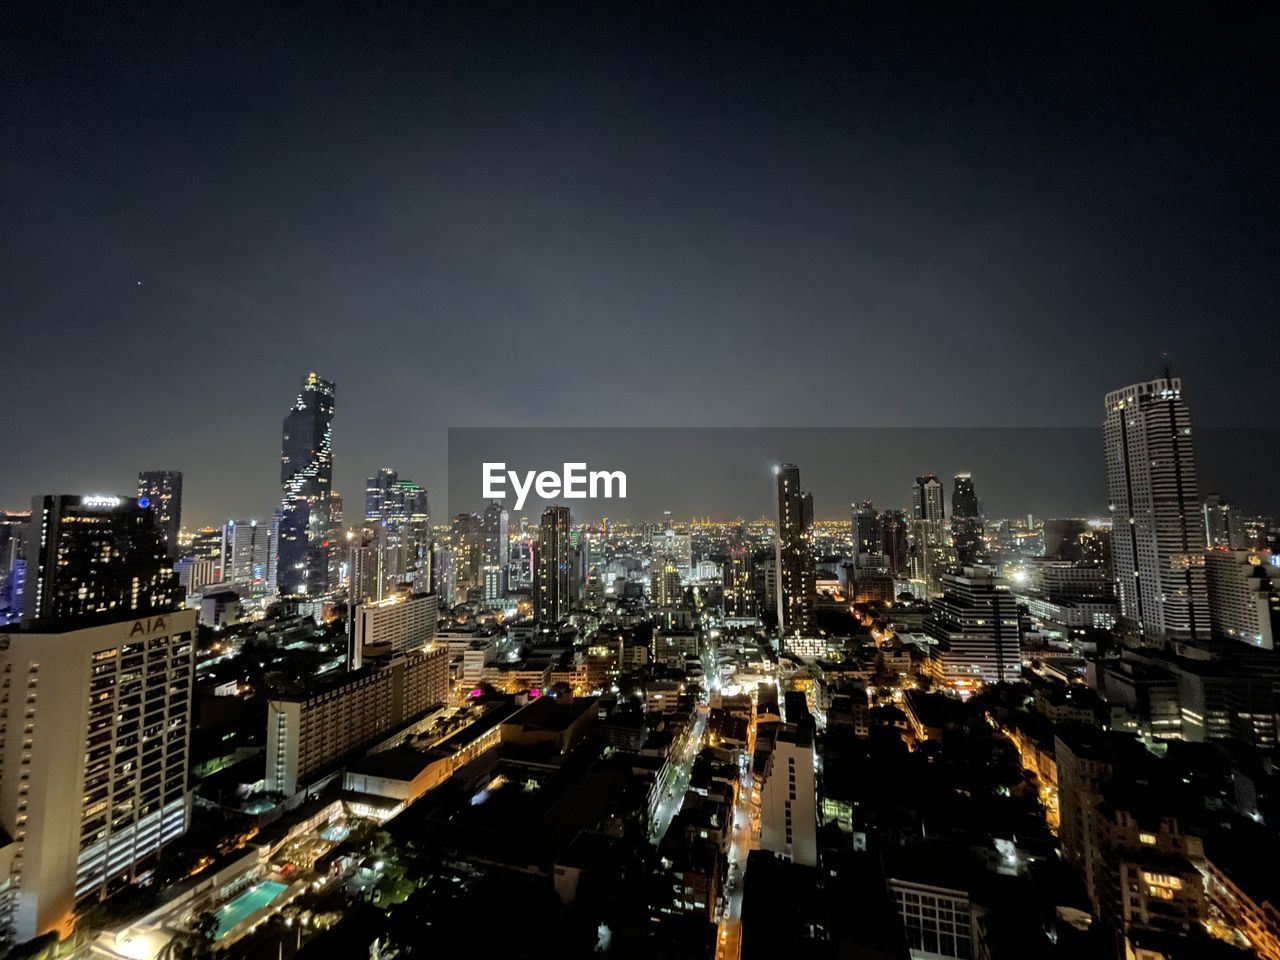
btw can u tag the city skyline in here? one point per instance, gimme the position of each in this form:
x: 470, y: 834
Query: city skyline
x: 842, y: 220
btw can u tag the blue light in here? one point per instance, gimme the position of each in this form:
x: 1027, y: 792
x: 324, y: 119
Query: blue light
x: 144, y: 502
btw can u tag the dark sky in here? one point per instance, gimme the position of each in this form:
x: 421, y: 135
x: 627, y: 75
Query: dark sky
x: 530, y: 213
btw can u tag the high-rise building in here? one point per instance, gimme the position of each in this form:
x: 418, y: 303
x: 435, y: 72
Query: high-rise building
x: 375, y: 564
x: 466, y: 543
x: 309, y: 733
x: 248, y: 556
x: 398, y: 624
x: 306, y: 473
x: 975, y: 624
x: 553, y: 566
x: 14, y: 528
x: 665, y: 589
x: 161, y: 491
x: 1244, y: 596
x: 1223, y: 524
x: 96, y: 557
x: 865, y: 530
x: 897, y: 550
x: 966, y: 522
x: 739, y: 593
x: 394, y: 502
x: 788, y: 798
x: 928, y: 532
x: 206, y: 544
x: 1157, y: 541
x: 796, y: 575
x: 93, y: 777
x: 496, y: 552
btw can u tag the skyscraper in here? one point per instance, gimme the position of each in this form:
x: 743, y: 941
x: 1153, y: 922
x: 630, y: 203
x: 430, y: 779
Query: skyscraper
x: 1244, y: 596
x: 975, y: 624
x: 306, y: 473
x: 796, y: 576
x: 894, y: 529
x: 865, y: 530
x: 497, y: 543
x: 928, y: 532
x: 97, y: 702
x: 99, y: 557
x: 553, y: 566
x: 1223, y: 524
x: 94, y: 781
x: 739, y: 595
x: 14, y: 530
x: 248, y: 553
x: 161, y: 491
x: 966, y: 521
x: 1158, y: 533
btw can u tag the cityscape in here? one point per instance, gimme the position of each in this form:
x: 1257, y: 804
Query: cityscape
x: 920, y: 730
x: 649, y: 481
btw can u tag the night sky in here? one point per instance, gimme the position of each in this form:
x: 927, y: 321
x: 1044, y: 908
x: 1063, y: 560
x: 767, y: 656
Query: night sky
x: 609, y: 213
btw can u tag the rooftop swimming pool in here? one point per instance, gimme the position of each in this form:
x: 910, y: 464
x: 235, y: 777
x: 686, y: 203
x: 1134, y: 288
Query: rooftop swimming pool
x: 249, y: 902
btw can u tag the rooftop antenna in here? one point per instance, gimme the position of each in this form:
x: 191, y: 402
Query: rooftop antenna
x: 1168, y: 366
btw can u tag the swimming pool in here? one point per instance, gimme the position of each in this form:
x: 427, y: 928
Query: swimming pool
x: 246, y: 904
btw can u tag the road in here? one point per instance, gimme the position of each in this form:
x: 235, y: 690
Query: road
x: 678, y: 780
x: 729, y: 936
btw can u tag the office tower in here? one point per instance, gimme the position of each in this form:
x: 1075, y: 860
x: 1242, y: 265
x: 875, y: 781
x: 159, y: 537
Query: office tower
x: 161, y: 490
x: 1223, y: 524
x: 248, y: 552
x: 552, y: 566
x: 14, y: 528
x: 897, y: 551
x: 966, y: 522
x: 796, y: 579
x: 928, y: 532
x: 98, y: 556
x: 306, y: 473
x: 739, y: 593
x: 788, y: 798
x: 1244, y: 596
x: 975, y: 624
x: 101, y: 714
x: 866, y: 531
x: 496, y: 553
x: 1158, y: 539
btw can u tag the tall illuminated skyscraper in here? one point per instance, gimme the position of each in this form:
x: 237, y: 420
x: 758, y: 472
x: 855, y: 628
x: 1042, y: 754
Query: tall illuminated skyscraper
x: 1157, y: 539
x: 306, y: 473
x: 796, y: 575
x: 966, y: 521
x: 553, y: 566
x: 161, y: 491
x: 94, y: 712
x: 928, y: 532
x: 496, y: 552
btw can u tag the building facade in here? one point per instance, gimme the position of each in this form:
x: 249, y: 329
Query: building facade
x: 161, y: 492
x: 306, y: 474
x: 1157, y: 541
x: 94, y: 748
